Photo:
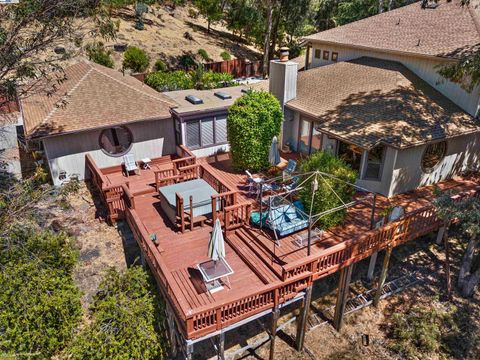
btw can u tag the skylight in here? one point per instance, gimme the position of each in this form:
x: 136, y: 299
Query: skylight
x: 222, y: 95
x: 194, y: 99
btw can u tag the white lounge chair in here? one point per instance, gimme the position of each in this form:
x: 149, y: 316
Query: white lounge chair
x: 130, y: 164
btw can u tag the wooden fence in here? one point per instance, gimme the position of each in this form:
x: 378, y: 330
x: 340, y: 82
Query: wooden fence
x: 237, y: 67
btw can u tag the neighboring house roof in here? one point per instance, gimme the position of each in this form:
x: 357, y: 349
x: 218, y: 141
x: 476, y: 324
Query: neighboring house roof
x: 367, y: 101
x: 211, y: 102
x: 92, y: 96
x: 300, y: 60
x: 448, y: 30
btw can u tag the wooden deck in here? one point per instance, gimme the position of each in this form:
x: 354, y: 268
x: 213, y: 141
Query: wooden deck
x: 266, y: 273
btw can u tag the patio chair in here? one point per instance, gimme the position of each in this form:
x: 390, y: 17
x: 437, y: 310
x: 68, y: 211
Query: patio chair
x: 254, y: 183
x: 288, y: 171
x: 130, y: 164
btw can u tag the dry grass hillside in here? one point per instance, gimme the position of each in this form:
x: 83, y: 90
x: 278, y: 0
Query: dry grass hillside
x: 164, y: 36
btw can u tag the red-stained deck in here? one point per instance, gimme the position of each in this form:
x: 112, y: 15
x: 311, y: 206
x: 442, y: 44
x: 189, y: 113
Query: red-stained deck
x: 265, y: 272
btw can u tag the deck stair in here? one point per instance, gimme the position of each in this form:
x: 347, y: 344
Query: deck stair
x: 257, y: 265
x: 266, y: 257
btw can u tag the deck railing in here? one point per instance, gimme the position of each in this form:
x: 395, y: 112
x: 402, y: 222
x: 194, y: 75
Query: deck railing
x: 410, y: 226
x: 237, y: 215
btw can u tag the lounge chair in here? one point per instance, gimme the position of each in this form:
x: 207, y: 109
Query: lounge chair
x: 288, y: 171
x: 130, y: 164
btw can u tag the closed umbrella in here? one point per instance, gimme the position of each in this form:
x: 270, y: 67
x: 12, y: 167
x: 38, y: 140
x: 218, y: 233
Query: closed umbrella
x: 216, y: 245
x: 274, y: 154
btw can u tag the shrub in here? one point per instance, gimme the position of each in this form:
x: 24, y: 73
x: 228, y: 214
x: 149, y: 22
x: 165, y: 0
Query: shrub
x: 325, y: 198
x: 225, y: 56
x: 253, y: 120
x: 98, y: 54
x: 182, y: 80
x: 125, y: 319
x: 187, y: 61
x: 213, y: 80
x: 39, y: 302
x: 421, y: 331
x: 135, y: 59
x: 203, y: 55
x: 160, y: 65
x: 169, y: 81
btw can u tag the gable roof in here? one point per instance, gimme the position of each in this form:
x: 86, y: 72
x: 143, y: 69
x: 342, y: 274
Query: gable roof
x: 92, y: 96
x: 448, y: 30
x: 386, y: 104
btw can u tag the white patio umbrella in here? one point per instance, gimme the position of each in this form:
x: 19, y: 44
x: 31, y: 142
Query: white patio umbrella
x: 274, y: 154
x: 216, y: 245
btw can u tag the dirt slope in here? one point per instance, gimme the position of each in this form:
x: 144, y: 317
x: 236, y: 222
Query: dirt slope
x: 165, y: 37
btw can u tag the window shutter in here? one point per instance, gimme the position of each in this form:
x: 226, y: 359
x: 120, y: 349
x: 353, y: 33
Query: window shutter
x: 193, y: 134
x: 221, y: 130
x: 207, y: 132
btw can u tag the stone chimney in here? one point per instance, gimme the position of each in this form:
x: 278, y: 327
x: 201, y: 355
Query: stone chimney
x: 283, y: 78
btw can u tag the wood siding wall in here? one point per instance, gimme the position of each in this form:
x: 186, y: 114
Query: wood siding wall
x: 67, y: 152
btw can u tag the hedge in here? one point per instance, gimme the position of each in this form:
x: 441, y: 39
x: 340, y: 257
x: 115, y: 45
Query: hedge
x: 182, y: 80
x: 253, y: 120
x: 325, y: 198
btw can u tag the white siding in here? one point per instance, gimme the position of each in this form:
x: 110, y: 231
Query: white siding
x: 422, y: 67
x: 211, y: 150
x: 462, y: 153
x: 67, y: 152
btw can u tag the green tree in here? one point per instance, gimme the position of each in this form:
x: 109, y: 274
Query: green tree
x: 126, y: 318
x: 467, y: 212
x: 212, y: 10
x: 333, y: 191
x: 253, y: 120
x: 39, y: 302
x: 135, y: 59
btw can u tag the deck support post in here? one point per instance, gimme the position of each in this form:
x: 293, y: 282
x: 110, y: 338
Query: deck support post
x: 440, y: 234
x: 142, y: 259
x: 371, y: 266
x: 171, y: 331
x: 343, y: 291
x: 302, y: 318
x: 447, y: 262
x: 188, y: 351
x: 273, y: 331
x: 221, y: 346
x: 383, y: 275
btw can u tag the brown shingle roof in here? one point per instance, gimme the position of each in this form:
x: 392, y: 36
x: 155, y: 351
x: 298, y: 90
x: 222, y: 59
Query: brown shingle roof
x: 446, y: 31
x: 92, y: 96
x: 367, y: 101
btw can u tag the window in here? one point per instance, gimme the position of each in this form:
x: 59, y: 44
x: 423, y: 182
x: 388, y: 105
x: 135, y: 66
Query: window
x: 433, y: 155
x: 221, y: 129
x: 318, y: 53
x: 116, y: 141
x: 326, y: 55
x: 206, y: 132
x: 351, y: 154
x: 374, y: 163
x: 193, y: 134
x: 334, y: 56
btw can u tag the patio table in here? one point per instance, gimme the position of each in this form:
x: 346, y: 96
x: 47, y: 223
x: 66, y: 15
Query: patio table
x: 212, y: 271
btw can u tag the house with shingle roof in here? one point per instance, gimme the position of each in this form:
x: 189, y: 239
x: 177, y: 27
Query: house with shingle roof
x: 369, y: 92
x: 372, y: 95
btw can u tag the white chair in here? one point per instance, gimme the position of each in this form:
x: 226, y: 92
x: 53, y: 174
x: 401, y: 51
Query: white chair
x: 130, y: 164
